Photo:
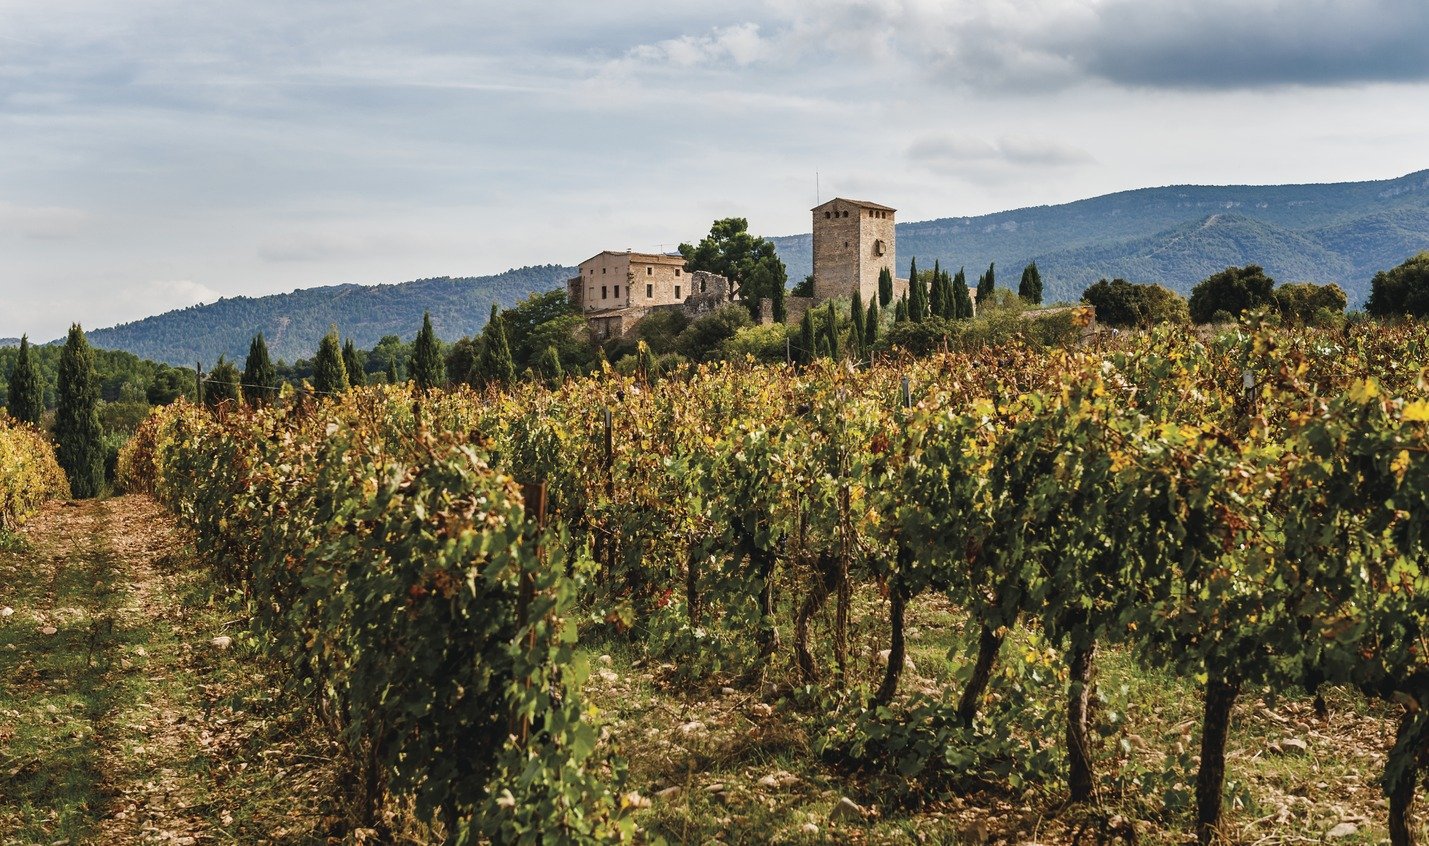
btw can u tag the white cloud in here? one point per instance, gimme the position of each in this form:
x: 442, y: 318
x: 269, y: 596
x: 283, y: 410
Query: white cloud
x: 42, y: 222
x: 952, y: 151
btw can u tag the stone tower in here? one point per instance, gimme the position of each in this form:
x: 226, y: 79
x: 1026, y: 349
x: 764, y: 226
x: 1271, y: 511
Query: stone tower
x: 853, y: 241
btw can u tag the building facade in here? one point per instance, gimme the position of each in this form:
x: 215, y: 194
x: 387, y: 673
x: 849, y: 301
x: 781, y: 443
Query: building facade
x: 614, y: 280
x: 853, y: 242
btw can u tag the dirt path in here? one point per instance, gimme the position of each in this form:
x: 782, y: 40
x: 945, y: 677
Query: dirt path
x: 129, y: 710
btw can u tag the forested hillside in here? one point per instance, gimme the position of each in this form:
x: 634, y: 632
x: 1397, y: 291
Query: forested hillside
x: 294, y: 323
x: 1178, y: 235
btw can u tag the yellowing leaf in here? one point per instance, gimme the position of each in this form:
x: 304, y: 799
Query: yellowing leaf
x: 1363, y: 391
x: 1418, y: 410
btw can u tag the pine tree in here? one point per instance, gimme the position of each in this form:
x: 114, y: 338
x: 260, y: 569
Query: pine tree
x: 986, y: 283
x: 781, y: 312
x: 962, y: 306
x: 260, y: 380
x: 223, y: 385
x: 27, y: 396
x: 428, y: 369
x: 807, y: 342
x: 329, y: 373
x: 550, y: 367
x: 1030, y: 288
x: 831, y: 331
x: 870, y: 326
x: 352, y: 362
x: 77, y: 429
x: 885, y: 286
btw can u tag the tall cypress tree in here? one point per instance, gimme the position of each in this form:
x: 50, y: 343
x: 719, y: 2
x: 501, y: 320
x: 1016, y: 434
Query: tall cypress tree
x: 496, y: 365
x: 260, y: 380
x: 831, y: 331
x: 329, y: 373
x: 27, y: 397
x: 392, y: 377
x: 900, y: 311
x: 352, y: 362
x: 917, y: 299
x: 428, y: 369
x: 1030, y: 288
x: 936, y: 298
x: 77, y: 429
x: 962, y: 305
x: 885, y: 286
x: 223, y: 385
x: 870, y: 326
x: 856, y: 316
x: 807, y: 343
x: 986, y: 283
x: 550, y: 367
x: 781, y: 312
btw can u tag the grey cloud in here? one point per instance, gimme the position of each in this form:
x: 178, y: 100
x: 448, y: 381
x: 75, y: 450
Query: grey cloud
x: 953, y: 152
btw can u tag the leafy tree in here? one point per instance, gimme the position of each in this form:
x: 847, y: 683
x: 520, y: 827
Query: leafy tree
x: 885, y: 287
x: 1403, y: 290
x: 393, y: 353
x: 1124, y: 304
x: 223, y: 385
x: 1030, y: 288
x: 463, y: 360
x: 329, y: 372
x: 27, y: 398
x: 703, y: 339
x: 428, y: 370
x: 870, y: 326
x: 962, y: 304
x: 1306, y: 302
x: 750, y: 263
x: 1233, y: 290
x: 805, y: 288
x: 987, y: 283
x: 260, y: 380
x: 523, y: 326
x: 78, y: 432
x: 352, y: 360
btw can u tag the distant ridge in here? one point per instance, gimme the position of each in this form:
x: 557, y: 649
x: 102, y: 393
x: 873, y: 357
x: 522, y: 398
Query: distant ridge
x: 1177, y: 235
x: 292, y: 324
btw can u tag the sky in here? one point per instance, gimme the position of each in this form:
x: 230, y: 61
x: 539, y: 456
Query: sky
x: 156, y: 154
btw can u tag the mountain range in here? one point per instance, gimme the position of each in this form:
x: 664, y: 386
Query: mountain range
x: 1176, y: 236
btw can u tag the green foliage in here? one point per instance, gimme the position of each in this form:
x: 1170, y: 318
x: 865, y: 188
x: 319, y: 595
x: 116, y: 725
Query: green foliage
x: 1234, y: 291
x: 1030, y: 287
x: 870, y: 326
x: 780, y: 312
x: 352, y: 362
x: 550, y: 367
x: 703, y: 338
x: 121, y: 375
x: 495, y: 364
x: 30, y: 474
x: 1404, y: 290
x: 329, y: 372
x: 750, y: 263
x: 987, y: 283
x: 804, y: 287
x: 26, y: 400
x: 1119, y: 303
x: 808, y: 344
x: 918, y: 303
x: 960, y: 303
x: 1307, y: 303
x: 78, y: 432
x: 857, y: 316
x: 829, y: 340
x: 260, y: 380
x: 885, y: 287
x: 428, y: 368
x: 222, y: 386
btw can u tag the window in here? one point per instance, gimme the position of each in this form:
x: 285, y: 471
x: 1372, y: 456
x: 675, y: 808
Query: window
x: 602, y: 292
x: 702, y: 285
x: 827, y: 215
x: 649, y: 271
x: 845, y: 214
x: 602, y: 271
x: 617, y: 292
x: 677, y: 292
x: 649, y: 291
x: 677, y: 271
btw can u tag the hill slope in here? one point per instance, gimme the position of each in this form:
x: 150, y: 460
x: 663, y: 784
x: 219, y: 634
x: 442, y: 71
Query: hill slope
x: 293, y: 323
x: 1325, y: 233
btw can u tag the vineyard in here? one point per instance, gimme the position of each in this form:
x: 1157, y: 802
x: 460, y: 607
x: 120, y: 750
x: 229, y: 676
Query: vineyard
x: 29, y: 472
x: 1244, y: 512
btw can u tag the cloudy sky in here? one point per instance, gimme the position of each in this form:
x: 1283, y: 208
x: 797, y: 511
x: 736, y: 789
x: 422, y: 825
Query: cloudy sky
x: 159, y: 153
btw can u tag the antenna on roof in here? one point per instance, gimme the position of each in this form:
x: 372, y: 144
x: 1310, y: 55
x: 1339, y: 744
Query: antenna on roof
x: 818, y: 195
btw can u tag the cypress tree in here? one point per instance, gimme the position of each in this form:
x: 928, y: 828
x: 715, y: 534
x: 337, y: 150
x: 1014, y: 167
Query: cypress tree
x: 428, y: 369
x: 329, y: 373
x: 807, y: 342
x: 496, y: 364
x: 781, y: 313
x: 77, y: 429
x: 938, y: 298
x: 870, y: 326
x: 1030, y: 288
x: 824, y: 349
x: 27, y: 397
x: 962, y: 306
x: 831, y: 331
x: 885, y: 286
x: 917, y: 299
x: 352, y: 362
x: 392, y: 377
x: 550, y: 367
x: 986, y: 283
x: 856, y: 316
x: 260, y: 380
x: 223, y: 385
x: 900, y: 311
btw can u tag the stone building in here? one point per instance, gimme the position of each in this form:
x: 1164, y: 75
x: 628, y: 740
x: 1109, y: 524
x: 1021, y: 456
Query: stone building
x: 616, y: 290
x: 854, y: 240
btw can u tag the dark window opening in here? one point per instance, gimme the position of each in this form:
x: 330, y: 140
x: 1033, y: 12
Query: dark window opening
x: 649, y: 291
x: 677, y: 271
x: 602, y: 292
x: 617, y: 292
x: 677, y: 292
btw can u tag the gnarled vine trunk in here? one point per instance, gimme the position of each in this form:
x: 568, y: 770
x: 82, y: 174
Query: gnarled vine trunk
x: 988, y: 645
x: 897, y: 605
x: 1408, y: 750
x: 827, y: 580
x: 1210, y: 780
x: 1079, y: 753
